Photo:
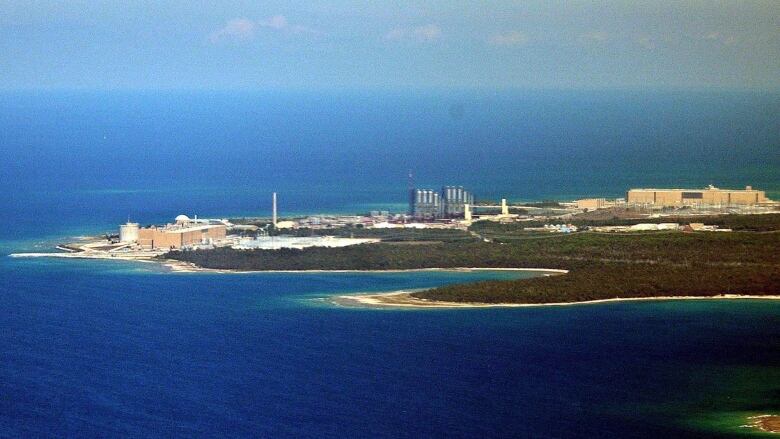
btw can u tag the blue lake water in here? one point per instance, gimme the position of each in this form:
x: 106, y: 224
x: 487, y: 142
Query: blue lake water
x: 102, y: 348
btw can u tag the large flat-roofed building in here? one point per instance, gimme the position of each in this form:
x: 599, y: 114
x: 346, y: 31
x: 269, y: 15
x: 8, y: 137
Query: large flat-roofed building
x: 592, y: 203
x: 710, y: 196
x: 183, y: 233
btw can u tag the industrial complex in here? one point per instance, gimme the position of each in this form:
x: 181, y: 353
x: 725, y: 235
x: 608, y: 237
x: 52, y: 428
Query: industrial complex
x: 451, y: 202
x: 451, y: 208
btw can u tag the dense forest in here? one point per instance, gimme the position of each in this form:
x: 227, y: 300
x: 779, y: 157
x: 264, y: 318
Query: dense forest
x: 602, y: 266
x: 549, y: 250
x: 618, y: 280
x: 388, y: 235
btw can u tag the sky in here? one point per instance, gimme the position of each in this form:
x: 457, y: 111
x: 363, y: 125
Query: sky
x: 257, y: 45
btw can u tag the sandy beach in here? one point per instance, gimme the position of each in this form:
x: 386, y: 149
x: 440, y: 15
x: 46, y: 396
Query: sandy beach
x: 404, y: 299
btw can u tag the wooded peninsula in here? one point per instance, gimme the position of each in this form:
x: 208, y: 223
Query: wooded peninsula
x: 601, y: 265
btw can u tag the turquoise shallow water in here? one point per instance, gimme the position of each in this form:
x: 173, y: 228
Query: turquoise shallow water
x: 104, y: 348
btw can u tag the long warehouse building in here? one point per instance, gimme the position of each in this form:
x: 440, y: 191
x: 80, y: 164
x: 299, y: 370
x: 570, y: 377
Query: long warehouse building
x: 710, y: 196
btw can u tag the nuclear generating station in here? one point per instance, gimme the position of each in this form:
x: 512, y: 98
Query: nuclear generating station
x: 453, y: 207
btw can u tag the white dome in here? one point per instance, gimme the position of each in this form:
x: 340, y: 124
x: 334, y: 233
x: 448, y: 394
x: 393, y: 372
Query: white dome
x: 182, y: 219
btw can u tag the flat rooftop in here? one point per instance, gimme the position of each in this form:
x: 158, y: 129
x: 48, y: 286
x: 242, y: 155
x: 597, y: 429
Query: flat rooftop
x: 175, y: 228
x: 696, y: 189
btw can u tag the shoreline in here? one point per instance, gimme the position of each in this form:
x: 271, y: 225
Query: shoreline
x: 176, y: 266
x: 392, y: 299
x: 403, y: 299
x: 73, y: 254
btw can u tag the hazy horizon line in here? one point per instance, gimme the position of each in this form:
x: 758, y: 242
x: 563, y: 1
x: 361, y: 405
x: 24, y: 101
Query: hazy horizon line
x: 391, y: 89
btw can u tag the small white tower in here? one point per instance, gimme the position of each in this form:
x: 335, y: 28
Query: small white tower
x: 128, y: 232
x: 504, y: 207
x: 274, y: 210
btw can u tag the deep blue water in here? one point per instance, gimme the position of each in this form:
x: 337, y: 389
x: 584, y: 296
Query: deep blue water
x: 91, y: 348
x: 107, y: 349
x: 223, y: 153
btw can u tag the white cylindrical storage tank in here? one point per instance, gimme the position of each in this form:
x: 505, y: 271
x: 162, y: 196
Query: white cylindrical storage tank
x: 128, y: 232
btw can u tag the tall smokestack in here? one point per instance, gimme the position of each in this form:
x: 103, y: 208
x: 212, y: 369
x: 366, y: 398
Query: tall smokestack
x: 274, y: 214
